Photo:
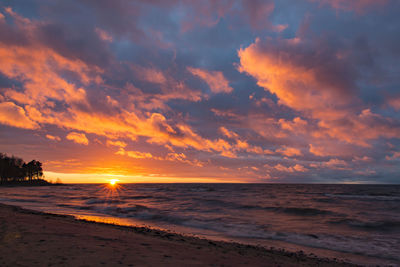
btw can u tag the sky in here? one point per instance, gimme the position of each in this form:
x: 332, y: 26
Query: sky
x: 303, y: 91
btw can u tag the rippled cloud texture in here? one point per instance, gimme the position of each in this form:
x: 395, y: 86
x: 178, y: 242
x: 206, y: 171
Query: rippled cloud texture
x: 249, y: 91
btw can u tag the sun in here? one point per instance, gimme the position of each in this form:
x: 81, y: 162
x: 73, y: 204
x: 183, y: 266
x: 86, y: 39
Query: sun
x: 113, y: 182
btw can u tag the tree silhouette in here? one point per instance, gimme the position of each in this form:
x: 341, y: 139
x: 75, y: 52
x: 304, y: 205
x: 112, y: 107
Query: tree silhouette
x: 14, y: 169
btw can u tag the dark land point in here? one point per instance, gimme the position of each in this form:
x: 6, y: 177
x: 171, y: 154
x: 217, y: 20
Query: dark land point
x: 37, y: 182
x: 14, y: 171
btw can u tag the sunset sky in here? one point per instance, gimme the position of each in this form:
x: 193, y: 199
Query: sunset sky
x: 203, y: 90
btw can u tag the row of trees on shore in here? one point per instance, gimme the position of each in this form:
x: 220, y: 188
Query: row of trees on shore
x: 14, y: 169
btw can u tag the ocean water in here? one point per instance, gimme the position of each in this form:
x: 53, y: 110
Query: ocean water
x: 359, y: 223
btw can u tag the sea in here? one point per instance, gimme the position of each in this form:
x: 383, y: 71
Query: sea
x: 356, y: 223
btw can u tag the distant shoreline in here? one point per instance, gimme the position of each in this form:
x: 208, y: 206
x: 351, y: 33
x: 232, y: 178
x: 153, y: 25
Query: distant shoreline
x: 40, y: 238
x: 37, y: 182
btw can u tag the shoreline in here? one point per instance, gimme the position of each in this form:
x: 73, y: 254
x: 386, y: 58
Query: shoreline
x: 36, y: 182
x: 37, y: 239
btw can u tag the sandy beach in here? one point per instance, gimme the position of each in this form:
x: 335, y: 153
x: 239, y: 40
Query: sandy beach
x: 30, y: 238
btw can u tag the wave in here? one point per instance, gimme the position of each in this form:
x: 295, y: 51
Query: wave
x: 144, y: 213
x: 19, y: 200
x: 301, y: 211
x: 80, y: 197
x: 349, y: 244
x: 47, y: 196
x: 357, y: 245
x: 161, y: 198
x: 226, y: 227
x: 202, y: 189
x: 75, y: 207
x: 370, y: 225
x: 366, y: 197
x: 138, y: 197
x: 104, y: 201
x: 324, y: 200
x: 382, y: 248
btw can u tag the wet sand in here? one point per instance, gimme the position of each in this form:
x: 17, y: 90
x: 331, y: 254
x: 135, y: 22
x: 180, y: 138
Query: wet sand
x: 30, y: 238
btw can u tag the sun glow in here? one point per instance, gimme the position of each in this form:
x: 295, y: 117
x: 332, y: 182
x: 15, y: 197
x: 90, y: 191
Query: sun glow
x: 113, y: 182
x: 111, y: 191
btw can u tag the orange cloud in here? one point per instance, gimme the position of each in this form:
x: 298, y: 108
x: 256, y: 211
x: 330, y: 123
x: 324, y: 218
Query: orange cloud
x: 37, y: 68
x: 134, y: 154
x: 395, y: 156
x: 181, y: 157
x: 175, y: 157
x: 363, y: 159
x: 168, y: 88
x: 321, y: 92
x: 13, y: 115
x: 278, y: 69
x: 151, y: 75
x: 289, y: 151
x: 295, y: 168
x: 394, y: 103
x: 335, y: 164
x: 359, y: 128
x: 105, y: 36
x: 297, y: 125
x: 129, y: 125
x: 78, y: 138
x: 171, y: 90
x: 267, y: 127
x: 215, y: 79
x: 226, y: 114
x: 228, y: 133
x: 116, y: 143
x: 299, y: 168
x: 52, y: 137
x: 242, y: 145
x: 181, y: 135
x: 318, y: 150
